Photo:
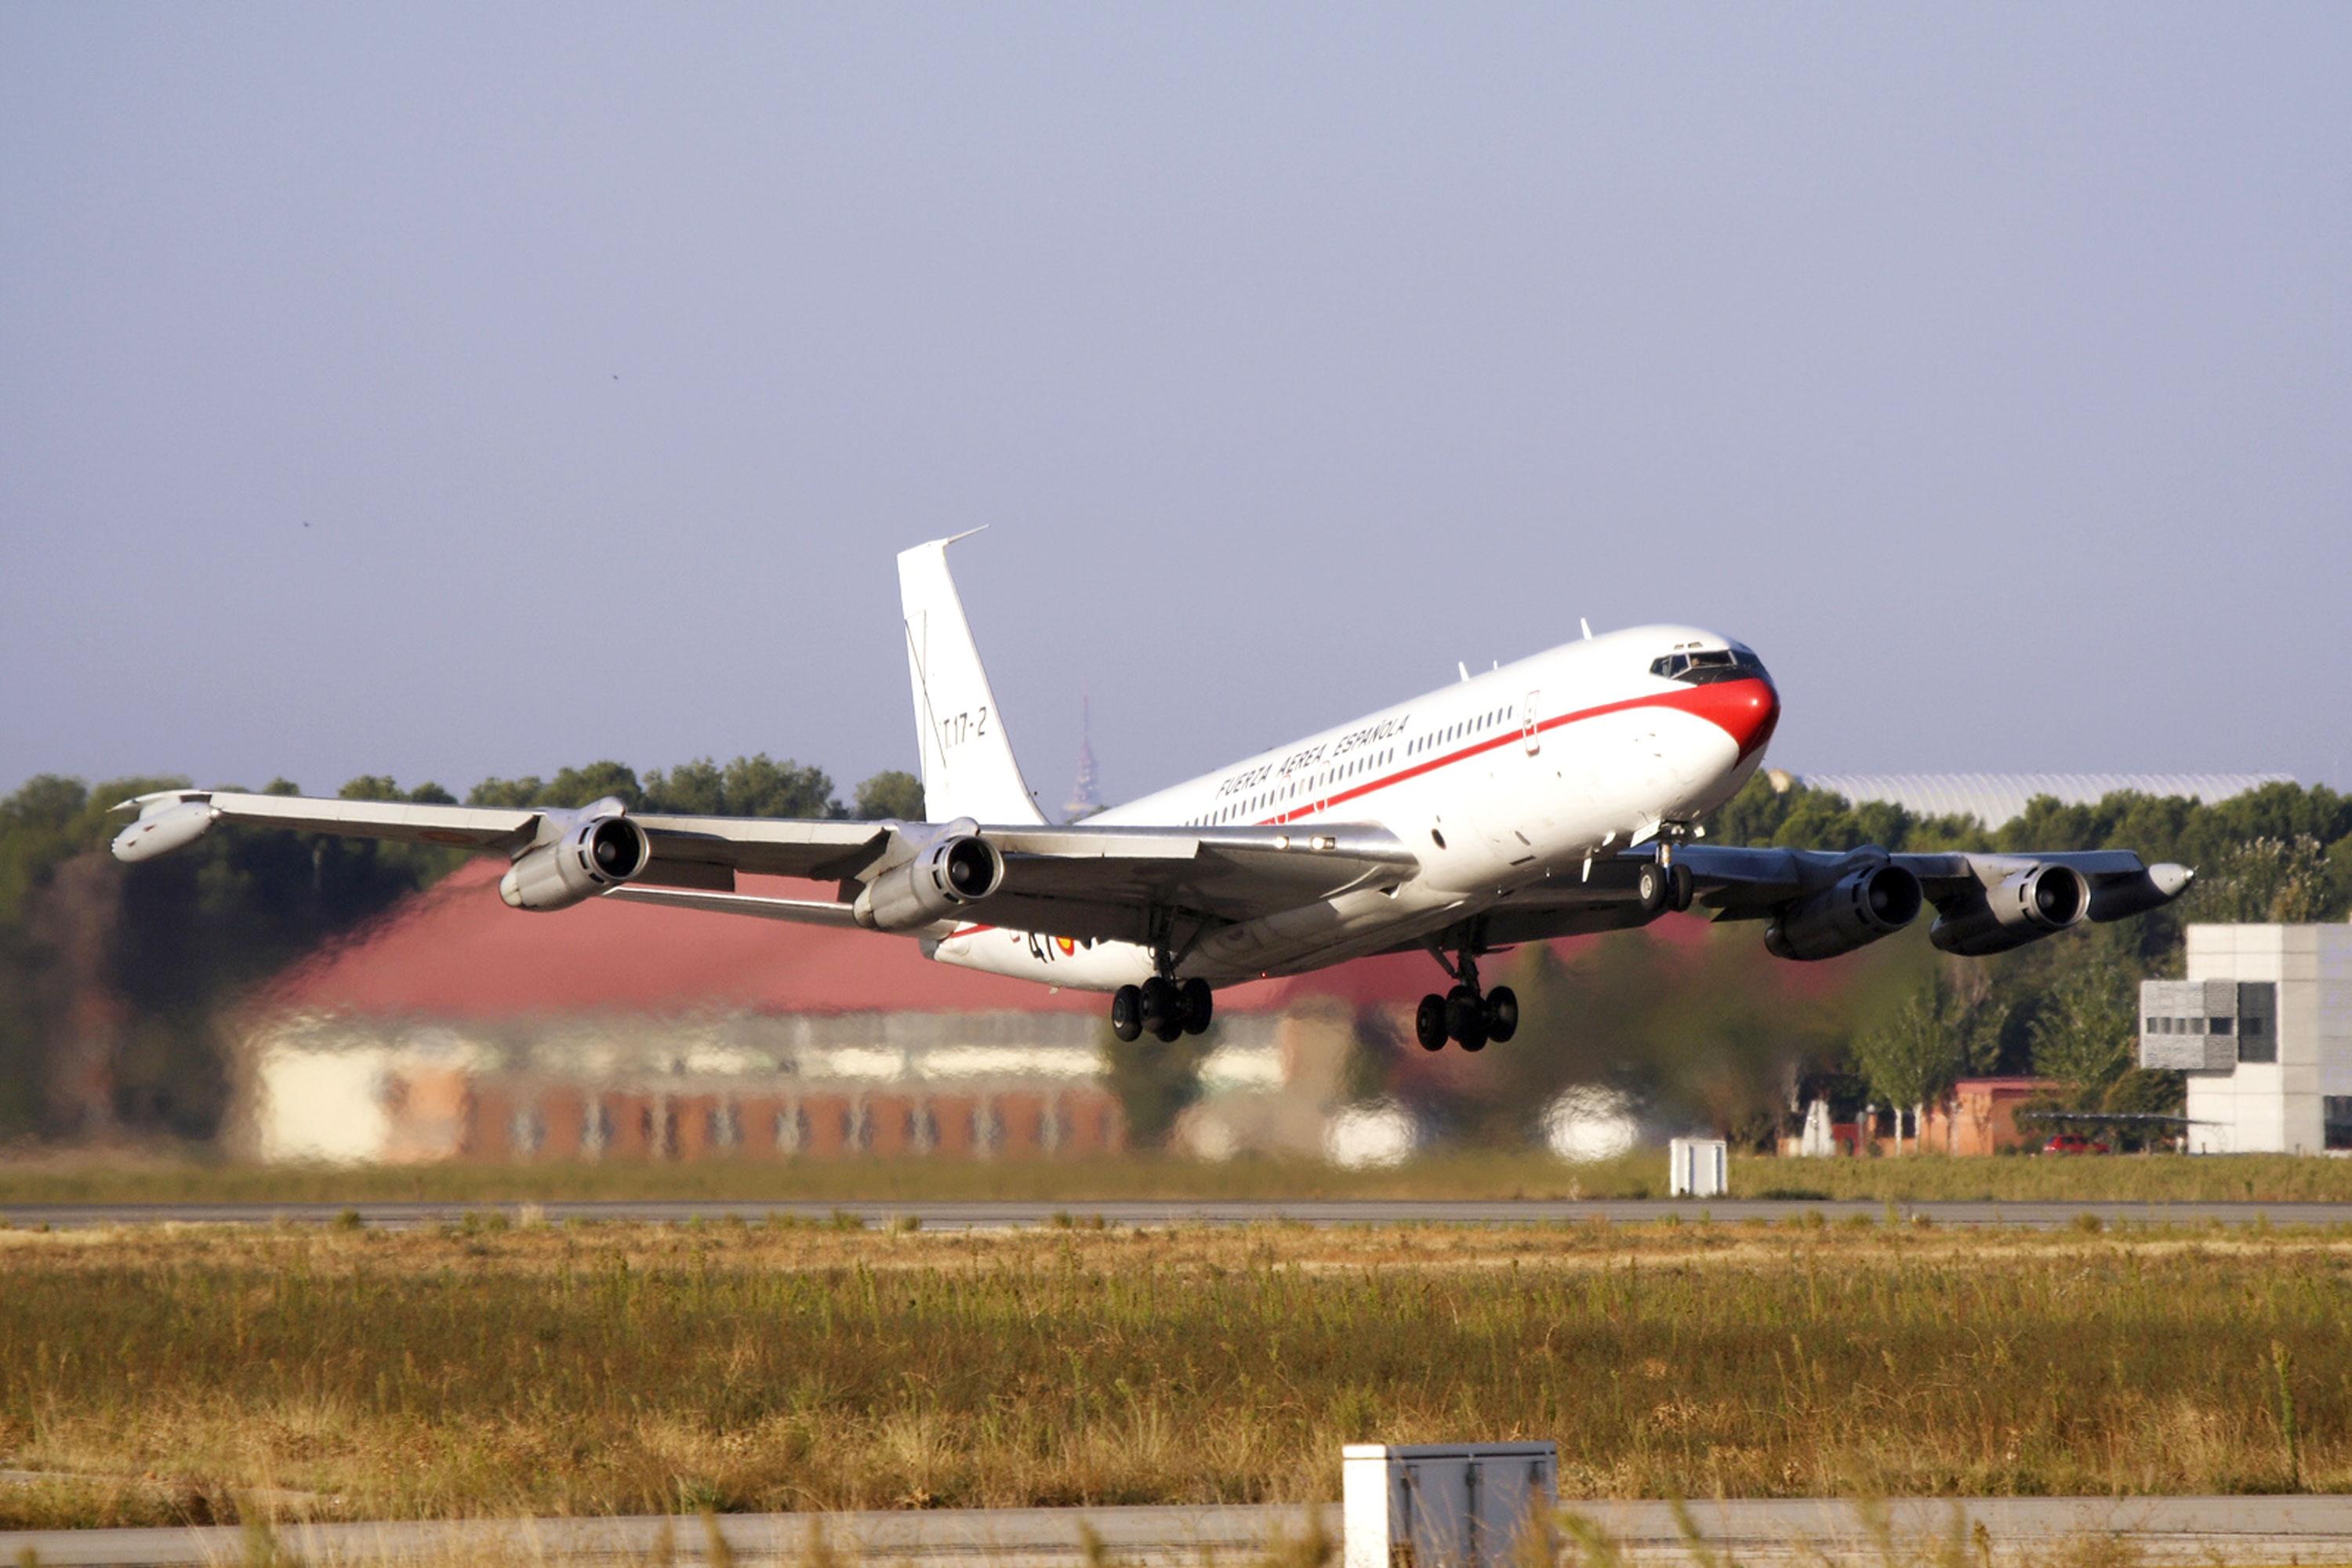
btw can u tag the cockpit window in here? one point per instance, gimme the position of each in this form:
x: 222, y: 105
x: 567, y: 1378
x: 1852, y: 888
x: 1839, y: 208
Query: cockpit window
x: 1707, y: 666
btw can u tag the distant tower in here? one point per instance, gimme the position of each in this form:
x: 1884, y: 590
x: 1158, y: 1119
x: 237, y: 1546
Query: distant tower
x: 1085, y: 795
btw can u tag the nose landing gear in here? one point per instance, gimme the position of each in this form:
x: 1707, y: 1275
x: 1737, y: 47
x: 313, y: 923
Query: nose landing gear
x: 1162, y: 1006
x: 1464, y: 1014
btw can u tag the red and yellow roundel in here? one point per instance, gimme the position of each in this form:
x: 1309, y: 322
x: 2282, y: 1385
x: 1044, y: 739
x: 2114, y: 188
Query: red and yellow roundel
x: 1066, y: 945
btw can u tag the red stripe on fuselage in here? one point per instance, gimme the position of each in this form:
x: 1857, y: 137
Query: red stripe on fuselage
x: 1747, y: 710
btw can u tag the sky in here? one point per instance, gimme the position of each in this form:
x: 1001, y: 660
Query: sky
x: 455, y: 391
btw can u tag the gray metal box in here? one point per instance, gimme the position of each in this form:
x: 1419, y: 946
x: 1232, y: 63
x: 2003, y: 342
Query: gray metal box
x: 1445, y: 1505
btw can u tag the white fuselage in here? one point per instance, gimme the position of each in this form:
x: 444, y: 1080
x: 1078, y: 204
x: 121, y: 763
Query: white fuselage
x: 1495, y: 782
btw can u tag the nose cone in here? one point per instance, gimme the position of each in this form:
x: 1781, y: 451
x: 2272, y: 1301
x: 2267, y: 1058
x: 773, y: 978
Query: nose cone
x: 1744, y: 710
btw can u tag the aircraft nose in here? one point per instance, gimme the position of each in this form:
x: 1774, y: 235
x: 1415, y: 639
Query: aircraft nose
x: 1747, y: 710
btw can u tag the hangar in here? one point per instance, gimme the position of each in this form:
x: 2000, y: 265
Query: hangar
x: 454, y: 1029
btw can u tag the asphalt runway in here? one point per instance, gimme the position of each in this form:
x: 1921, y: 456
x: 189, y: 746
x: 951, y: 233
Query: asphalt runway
x: 2158, y: 1530
x: 1156, y: 1214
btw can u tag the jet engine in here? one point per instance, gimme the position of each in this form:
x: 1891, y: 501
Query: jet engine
x: 2023, y: 907
x: 594, y: 853
x: 944, y: 877
x: 1864, y: 905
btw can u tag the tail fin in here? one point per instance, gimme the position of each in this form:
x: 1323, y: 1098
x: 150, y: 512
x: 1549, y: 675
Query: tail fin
x: 967, y: 765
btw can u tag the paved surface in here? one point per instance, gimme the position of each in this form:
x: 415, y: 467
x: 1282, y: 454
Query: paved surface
x: 1319, y: 1212
x: 2183, y: 1529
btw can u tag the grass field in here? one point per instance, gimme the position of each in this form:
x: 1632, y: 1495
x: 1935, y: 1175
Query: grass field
x: 167, y: 1374
x: 2135, y: 1178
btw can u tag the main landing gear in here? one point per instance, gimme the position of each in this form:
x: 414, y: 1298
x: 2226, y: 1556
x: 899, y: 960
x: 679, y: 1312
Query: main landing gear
x: 1463, y: 1014
x: 1657, y: 888
x: 1164, y: 1008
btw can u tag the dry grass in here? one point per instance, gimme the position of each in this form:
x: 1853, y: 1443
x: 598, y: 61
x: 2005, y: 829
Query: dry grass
x: 630, y: 1369
x: 2153, y: 1179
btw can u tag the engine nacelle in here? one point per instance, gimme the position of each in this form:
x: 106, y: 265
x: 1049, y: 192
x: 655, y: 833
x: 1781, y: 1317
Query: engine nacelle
x: 2025, y: 906
x: 945, y: 876
x: 594, y: 855
x: 1864, y: 905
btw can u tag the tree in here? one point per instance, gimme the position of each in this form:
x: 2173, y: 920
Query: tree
x: 890, y: 794
x: 1913, y: 1056
x: 2085, y: 1031
x: 2265, y: 880
x: 747, y: 786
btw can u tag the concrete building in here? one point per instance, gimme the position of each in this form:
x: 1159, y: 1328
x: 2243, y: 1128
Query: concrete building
x: 2263, y: 1027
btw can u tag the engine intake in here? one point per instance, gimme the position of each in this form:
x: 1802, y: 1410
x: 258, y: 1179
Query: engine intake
x: 595, y: 854
x: 1864, y: 905
x: 2023, y: 907
x: 945, y: 876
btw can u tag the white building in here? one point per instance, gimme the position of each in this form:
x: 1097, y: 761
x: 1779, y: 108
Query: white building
x: 2263, y: 1026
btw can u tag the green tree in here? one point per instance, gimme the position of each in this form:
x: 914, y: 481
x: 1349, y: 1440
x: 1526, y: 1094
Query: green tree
x: 749, y: 786
x: 2266, y: 880
x: 2087, y: 1030
x: 891, y: 793
x: 509, y: 794
x: 1937, y: 1034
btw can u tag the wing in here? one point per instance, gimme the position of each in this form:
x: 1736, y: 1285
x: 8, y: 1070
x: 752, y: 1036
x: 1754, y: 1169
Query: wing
x: 1985, y: 903
x: 1106, y: 884
x: 1822, y: 902
x: 1137, y: 884
x: 691, y: 851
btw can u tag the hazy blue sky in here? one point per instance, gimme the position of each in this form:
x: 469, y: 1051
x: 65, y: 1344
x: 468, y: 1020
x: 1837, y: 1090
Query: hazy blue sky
x: 1989, y: 370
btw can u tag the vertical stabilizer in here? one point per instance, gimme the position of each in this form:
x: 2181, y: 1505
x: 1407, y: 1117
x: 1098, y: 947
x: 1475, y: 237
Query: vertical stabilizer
x: 967, y: 765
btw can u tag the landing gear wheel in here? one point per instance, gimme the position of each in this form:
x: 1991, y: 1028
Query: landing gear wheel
x: 1198, y: 1006
x: 1127, y: 1013
x: 1466, y: 1016
x: 1502, y: 1014
x: 1429, y: 1024
x: 1653, y: 888
x: 1163, y: 1009
x: 1679, y: 890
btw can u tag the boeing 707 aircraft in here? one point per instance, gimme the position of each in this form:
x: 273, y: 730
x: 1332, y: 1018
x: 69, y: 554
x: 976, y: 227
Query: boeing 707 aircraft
x: 1555, y: 795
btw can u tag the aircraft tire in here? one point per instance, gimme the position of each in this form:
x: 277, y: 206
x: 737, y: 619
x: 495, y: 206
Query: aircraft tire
x: 1162, y: 1009
x: 1429, y: 1024
x: 1653, y: 888
x: 1475, y: 1039
x: 1679, y: 890
x: 1502, y: 1014
x: 1169, y: 1032
x: 1127, y: 1013
x: 1464, y: 1013
x: 1198, y: 1005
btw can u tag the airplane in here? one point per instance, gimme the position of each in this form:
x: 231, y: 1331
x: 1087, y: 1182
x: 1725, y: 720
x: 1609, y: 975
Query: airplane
x: 1559, y: 794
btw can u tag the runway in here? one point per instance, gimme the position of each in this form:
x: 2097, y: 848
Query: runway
x: 1156, y: 1214
x: 2158, y: 1530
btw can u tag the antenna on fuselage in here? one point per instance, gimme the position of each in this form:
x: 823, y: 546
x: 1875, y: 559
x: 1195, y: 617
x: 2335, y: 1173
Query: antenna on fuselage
x: 1463, y: 666
x: 1587, y: 625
